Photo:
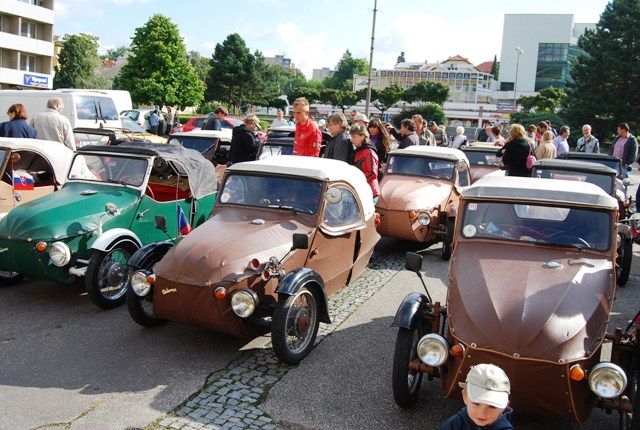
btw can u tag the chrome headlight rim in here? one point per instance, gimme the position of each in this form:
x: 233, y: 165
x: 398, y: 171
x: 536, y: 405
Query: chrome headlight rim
x: 607, y: 370
x: 244, y: 302
x: 433, y: 350
x: 59, y: 254
x: 424, y: 219
x: 139, y: 283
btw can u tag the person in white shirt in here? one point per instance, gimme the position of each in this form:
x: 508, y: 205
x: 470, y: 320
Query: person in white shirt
x: 279, y: 121
x: 52, y: 125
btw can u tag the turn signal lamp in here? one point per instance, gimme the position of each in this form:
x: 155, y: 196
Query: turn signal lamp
x: 254, y: 264
x: 41, y: 246
x: 151, y: 278
x: 413, y: 215
x: 576, y: 373
x: 220, y: 292
x: 457, y: 350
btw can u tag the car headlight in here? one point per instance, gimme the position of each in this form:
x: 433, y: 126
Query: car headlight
x: 244, y: 303
x: 607, y: 380
x: 424, y: 218
x: 140, y: 282
x: 433, y: 349
x: 60, y: 254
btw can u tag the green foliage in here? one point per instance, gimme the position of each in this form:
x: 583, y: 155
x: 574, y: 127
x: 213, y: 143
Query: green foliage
x: 426, y: 91
x: 527, y: 118
x: 342, y: 78
x: 232, y: 71
x: 495, y: 67
x: 387, y: 97
x: 400, y: 58
x: 429, y: 111
x: 78, y: 62
x: 547, y: 100
x: 200, y: 64
x: 309, y: 92
x: 114, y: 54
x: 207, y: 107
x: 607, y: 79
x: 157, y: 71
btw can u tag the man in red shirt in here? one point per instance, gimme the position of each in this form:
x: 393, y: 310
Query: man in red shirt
x: 308, y: 137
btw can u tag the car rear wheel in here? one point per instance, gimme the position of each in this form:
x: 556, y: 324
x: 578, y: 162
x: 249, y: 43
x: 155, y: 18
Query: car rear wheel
x: 406, y: 382
x: 10, y: 278
x: 106, y: 276
x: 295, y: 326
x: 448, y: 239
x: 625, y: 253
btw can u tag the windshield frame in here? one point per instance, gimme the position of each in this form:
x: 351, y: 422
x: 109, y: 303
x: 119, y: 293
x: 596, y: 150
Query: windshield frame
x: 133, y: 185
x: 610, y: 191
x: 426, y: 159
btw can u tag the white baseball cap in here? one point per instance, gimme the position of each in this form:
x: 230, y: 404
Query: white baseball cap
x: 487, y: 384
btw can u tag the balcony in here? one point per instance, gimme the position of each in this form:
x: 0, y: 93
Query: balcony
x: 25, y: 10
x: 26, y: 44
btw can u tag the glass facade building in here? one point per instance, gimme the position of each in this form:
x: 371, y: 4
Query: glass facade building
x: 554, y: 64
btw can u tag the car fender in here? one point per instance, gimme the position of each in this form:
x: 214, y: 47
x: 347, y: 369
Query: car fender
x: 146, y: 256
x: 305, y: 277
x: 409, y: 310
x: 109, y: 238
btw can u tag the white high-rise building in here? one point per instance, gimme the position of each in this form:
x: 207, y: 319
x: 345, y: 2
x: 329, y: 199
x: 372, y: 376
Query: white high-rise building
x: 26, y: 44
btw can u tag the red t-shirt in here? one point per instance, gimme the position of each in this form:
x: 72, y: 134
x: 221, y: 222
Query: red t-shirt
x: 307, y: 140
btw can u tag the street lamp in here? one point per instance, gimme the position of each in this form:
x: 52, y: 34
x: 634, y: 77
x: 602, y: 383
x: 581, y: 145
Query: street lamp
x: 519, y: 52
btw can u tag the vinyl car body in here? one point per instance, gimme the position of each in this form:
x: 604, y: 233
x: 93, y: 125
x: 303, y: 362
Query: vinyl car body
x: 42, y: 163
x: 104, y: 212
x: 419, y: 194
x: 605, y: 178
x: 239, y: 273
x: 483, y: 159
x: 531, y: 287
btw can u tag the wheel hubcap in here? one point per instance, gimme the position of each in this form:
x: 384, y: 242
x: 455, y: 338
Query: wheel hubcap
x: 115, y: 274
x: 303, y: 320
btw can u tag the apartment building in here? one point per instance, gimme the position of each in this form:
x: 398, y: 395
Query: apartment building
x: 26, y: 44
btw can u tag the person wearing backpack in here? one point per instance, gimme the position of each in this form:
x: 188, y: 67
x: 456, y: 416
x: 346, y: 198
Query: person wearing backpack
x: 516, y: 151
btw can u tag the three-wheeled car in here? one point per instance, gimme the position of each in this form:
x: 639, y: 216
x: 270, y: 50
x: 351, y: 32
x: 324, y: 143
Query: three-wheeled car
x: 531, y: 287
x: 104, y: 212
x: 605, y: 178
x: 286, y: 232
x: 102, y: 136
x: 483, y: 159
x: 214, y: 145
x: 31, y: 168
x: 419, y: 194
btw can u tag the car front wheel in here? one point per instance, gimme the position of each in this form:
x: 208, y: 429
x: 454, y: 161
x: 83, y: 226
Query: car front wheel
x: 295, y: 326
x: 406, y: 382
x: 106, y: 276
x: 10, y: 278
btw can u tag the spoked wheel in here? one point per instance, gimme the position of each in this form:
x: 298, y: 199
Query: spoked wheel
x: 8, y: 278
x: 141, y: 309
x: 295, y: 326
x: 106, y: 276
x: 623, y: 262
x: 448, y: 239
x: 406, y: 382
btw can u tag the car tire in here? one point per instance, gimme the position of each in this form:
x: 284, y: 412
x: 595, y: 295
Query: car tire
x: 631, y: 421
x: 141, y: 309
x: 295, y: 326
x: 106, y: 275
x: 405, y: 382
x: 624, y: 260
x: 448, y: 238
x: 8, y: 278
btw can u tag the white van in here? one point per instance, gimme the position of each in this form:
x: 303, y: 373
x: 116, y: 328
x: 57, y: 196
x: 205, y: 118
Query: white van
x: 84, y: 108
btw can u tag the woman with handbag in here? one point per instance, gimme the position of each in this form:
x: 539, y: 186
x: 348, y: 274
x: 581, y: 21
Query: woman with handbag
x: 516, y: 152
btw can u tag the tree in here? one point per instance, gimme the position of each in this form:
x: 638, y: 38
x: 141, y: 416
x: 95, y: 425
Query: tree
x: 605, y: 79
x: 527, y: 118
x: 346, y: 99
x: 342, y: 78
x: 310, y: 93
x: 429, y: 111
x: 157, y: 71
x: 386, y: 98
x: 400, y: 58
x: 547, y: 100
x: 200, y: 64
x: 78, y: 62
x: 495, y: 67
x: 426, y: 91
x: 115, y: 53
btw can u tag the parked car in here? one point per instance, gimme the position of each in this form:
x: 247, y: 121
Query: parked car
x: 483, y: 159
x: 141, y: 116
x: 531, y: 287
x: 31, y: 168
x: 606, y: 159
x: 113, y: 136
x: 419, y: 194
x: 193, y: 123
x: 605, y: 178
x: 286, y: 232
x: 214, y: 145
x: 279, y: 141
x: 104, y: 212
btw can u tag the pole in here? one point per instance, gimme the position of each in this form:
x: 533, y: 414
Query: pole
x: 373, y: 33
x: 519, y: 52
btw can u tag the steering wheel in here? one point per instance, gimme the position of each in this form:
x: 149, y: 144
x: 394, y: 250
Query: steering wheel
x: 149, y: 192
x: 264, y: 202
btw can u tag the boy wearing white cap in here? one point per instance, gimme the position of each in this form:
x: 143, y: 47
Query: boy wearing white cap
x: 486, y: 396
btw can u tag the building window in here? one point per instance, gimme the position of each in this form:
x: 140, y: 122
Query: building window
x: 33, y: 2
x: 27, y: 63
x: 554, y: 64
x: 506, y: 86
x: 29, y: 29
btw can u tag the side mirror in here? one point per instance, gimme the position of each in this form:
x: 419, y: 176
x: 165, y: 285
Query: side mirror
x: 626, y: 182
x: 300, y: 241
x: 161, y: 223
x: 413, y: 262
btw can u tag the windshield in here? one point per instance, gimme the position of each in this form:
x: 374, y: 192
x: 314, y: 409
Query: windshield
x: 109, y: 169
x: 200, y: 144
x: 606, y: 182
x: 96, y: 108
x: 545, y: 225
x: 133, y: 114
x: 421, y: 166
x: 269, y: 150
x: 483, y: 158
x: 130, y: 124
x: 299, y: 195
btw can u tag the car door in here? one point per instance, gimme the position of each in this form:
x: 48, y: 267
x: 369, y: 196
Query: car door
x: 332, y: 250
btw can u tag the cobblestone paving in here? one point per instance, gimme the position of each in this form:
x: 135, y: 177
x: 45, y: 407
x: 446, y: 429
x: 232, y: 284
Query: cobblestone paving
x: 231, y: 397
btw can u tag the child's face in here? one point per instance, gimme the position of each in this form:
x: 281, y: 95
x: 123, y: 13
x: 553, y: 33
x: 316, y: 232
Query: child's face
x: 481, y: 414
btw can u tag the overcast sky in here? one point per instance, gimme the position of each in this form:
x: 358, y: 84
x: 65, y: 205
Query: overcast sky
x: 315, y: 33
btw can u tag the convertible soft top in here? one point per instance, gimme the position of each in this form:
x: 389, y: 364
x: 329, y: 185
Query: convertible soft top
x: 575, y: 165
x: 224, y: 134
x: 57, y: 154
x: 433, y: 151
x: 322, y: 169
x: 553, y: 191
x: 200, y: 171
